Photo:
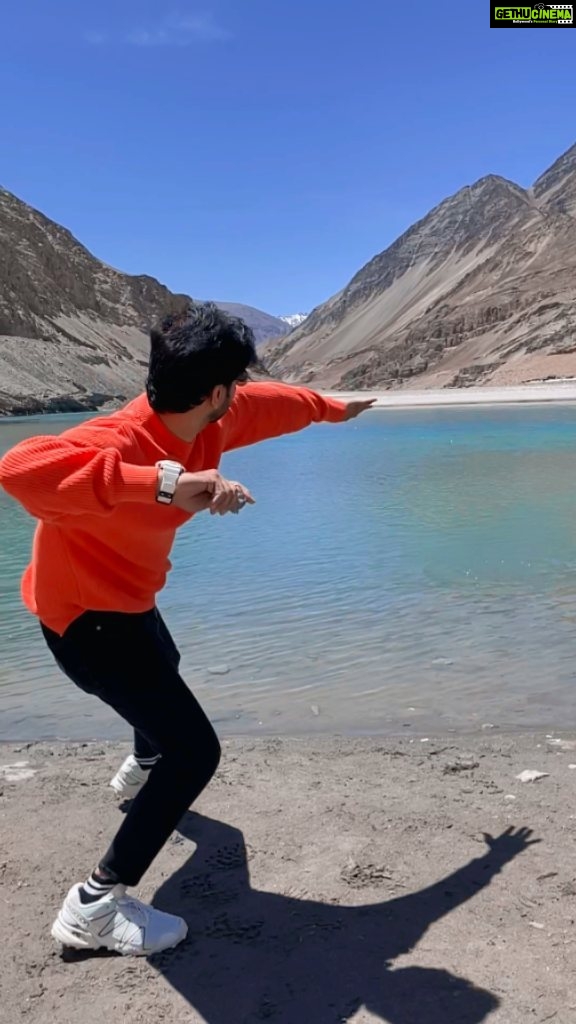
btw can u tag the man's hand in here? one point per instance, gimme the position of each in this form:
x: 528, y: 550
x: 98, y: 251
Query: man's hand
x: 196, y: 492
x: 229, y: 496
x: 358, y: 406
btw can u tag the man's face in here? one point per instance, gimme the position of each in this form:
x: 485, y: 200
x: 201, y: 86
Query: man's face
x: 224, y: 397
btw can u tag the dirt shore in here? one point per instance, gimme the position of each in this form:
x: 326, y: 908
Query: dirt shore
x: 324, y: 880
x: 508, y: 393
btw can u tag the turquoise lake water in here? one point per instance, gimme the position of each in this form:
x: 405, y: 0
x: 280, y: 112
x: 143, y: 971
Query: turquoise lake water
x: 413, y: 571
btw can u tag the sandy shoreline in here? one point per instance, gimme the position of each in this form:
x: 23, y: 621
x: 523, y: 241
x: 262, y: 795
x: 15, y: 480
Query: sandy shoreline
x: 324, y: 880
x: 558, y: 391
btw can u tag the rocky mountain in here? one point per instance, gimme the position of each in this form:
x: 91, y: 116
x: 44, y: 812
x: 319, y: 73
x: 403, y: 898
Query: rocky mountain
x: 73, y: 331
x: 481, y: 291
x: 264, y: 325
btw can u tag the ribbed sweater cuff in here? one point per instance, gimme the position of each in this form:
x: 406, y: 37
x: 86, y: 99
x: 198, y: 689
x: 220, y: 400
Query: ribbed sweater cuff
x: 138, y: 483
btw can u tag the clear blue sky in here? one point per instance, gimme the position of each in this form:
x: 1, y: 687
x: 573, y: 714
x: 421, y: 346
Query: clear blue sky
x: 260, y: 151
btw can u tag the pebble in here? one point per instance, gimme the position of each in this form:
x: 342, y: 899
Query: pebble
x: 465, y: 765
x: 531, y: 775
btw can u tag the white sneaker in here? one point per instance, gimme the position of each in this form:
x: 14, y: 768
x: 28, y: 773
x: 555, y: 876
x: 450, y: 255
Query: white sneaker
x: 117, y: 922
x: 129, y: 778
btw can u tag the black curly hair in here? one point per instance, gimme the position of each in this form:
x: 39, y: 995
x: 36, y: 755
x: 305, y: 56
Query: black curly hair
x: 193, y: 350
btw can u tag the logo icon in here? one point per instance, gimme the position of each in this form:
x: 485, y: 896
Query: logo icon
x: 534, y: 16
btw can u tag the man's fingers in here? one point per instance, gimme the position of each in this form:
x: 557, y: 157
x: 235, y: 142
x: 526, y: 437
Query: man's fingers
x: 231, y: 497
x: 222, y: 507
x: 220, y: 502
x: 242, y: 497
x: 358, y: 406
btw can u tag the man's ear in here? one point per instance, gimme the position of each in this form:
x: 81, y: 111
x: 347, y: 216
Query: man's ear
x: 218, y: 396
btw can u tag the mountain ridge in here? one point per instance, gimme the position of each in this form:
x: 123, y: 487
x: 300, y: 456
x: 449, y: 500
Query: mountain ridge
x: 482, y: 290
x: 74, y: 332
x: 471, y: 293
x: 264, y: 325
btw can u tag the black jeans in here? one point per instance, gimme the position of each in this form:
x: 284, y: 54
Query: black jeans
x: 131, y: 663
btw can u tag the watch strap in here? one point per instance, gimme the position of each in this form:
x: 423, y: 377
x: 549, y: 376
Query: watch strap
x: 170, y: 473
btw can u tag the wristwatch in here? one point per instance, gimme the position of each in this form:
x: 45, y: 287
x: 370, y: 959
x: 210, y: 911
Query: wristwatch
x: 169, y: 476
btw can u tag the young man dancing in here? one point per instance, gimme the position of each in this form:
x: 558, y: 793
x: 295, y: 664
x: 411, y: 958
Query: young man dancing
x: 109, y: 495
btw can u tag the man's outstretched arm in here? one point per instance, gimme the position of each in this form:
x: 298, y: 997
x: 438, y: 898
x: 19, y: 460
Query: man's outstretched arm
x: 264, y: 410
x: 58, y: 477
x: 54, y: 477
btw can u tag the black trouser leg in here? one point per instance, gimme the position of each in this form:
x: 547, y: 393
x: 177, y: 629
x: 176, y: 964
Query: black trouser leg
x: 143, y: 749
x: 131, y: 663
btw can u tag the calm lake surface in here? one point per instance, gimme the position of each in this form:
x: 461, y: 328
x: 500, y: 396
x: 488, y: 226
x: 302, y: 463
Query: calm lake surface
x: 412, y: 571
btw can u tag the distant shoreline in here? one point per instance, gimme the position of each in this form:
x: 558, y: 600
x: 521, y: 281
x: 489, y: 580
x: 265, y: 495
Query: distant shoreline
x: 552, y: 391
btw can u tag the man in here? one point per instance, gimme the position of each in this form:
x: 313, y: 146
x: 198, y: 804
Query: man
x: 109, y: 496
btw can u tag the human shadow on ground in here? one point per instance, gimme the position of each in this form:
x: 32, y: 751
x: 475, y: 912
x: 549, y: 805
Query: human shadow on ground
x: 256, y: 956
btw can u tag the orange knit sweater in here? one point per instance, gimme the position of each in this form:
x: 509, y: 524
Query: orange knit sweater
x: 103, y: 541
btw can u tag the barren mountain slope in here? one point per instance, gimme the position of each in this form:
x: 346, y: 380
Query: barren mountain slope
x: 481, y: 290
